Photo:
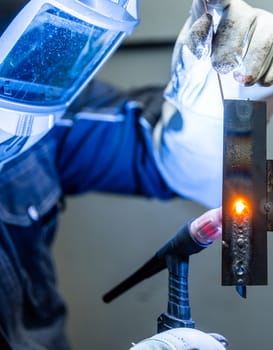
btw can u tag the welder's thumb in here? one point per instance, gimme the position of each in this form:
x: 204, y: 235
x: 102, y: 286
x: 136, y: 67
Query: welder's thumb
x: 200, y: 27
x: 237, y: 36
x: 197, y: 33
x: 183, y: 339
x: 243, y: 43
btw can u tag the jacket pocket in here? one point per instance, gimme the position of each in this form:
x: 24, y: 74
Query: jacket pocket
x: 29, y: 186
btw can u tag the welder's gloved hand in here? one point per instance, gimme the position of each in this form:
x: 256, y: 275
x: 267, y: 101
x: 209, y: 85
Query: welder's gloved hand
x: 242, y: 42
x: 183, y: 339
x: 188, y: 138
x: 208, y: 227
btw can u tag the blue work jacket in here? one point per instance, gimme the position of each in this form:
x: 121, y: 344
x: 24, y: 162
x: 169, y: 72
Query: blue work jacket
x: 103, y: 144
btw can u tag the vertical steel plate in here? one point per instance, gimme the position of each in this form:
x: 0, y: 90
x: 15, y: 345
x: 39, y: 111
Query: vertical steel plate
x: 244, y: 250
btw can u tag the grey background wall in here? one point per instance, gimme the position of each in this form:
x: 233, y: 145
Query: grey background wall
x: 103, y: 238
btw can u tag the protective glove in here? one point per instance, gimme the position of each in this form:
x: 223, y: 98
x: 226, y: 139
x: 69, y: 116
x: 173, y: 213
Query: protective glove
x: 188, y: 138
x: 242, y: 42
x: 183, y: 339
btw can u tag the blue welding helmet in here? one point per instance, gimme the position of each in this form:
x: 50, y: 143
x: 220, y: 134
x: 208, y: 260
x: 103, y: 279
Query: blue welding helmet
x: 50, y: 52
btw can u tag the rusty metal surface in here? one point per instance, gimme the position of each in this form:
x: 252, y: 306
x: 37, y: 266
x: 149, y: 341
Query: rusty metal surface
x: 244, y: 250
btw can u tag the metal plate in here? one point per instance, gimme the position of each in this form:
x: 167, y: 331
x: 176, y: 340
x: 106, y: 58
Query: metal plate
x: 244, y: 250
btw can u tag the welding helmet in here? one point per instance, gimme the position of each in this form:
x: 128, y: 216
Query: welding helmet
x: 49, y: 53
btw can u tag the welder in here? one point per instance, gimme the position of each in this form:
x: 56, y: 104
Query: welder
x: 55, y: 142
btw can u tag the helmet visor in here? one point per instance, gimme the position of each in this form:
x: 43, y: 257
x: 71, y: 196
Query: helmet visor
x: 56, y: 54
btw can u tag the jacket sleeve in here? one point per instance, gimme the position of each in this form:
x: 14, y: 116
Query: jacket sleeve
x: 109, y: 147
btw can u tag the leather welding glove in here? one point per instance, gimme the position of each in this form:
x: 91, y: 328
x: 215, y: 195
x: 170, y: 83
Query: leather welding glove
x: 188, y: 138
x: 238, y: 36
x: 183, y: 339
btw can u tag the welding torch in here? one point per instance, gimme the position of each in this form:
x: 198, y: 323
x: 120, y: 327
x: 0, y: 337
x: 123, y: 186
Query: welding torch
x: 174, y: 255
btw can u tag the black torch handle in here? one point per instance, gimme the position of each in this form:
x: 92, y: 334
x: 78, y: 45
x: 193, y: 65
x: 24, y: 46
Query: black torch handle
x: 180, y: 246
x: 151, y: 267
x: 179, y: 312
